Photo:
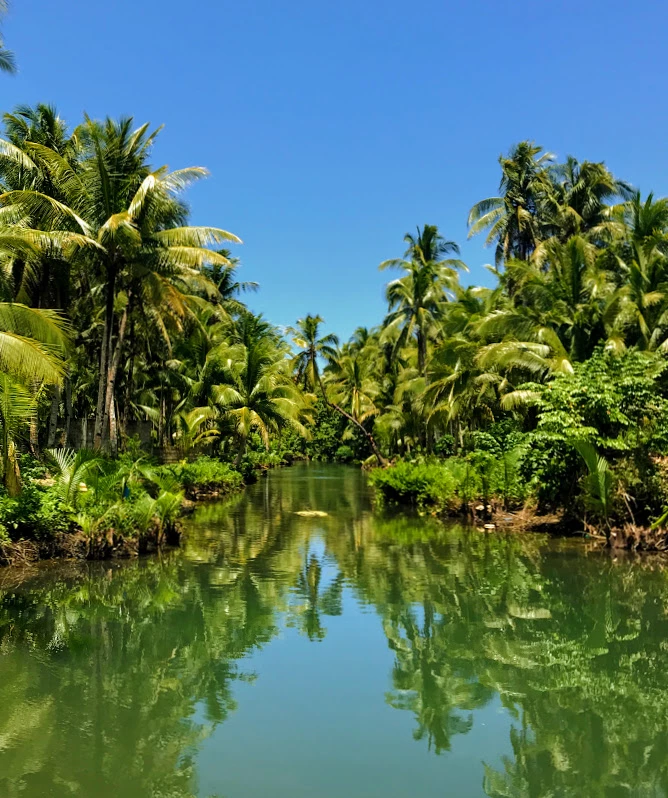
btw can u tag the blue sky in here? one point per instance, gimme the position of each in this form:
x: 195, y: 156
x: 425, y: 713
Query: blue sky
x: 332, y: 127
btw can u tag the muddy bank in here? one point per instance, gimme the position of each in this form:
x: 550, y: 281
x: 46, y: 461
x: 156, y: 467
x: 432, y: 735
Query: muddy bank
x: 627, y: 537
x: 77, y: 546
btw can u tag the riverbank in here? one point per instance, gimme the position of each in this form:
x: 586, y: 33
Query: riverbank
x: 490, y: 495
x: 83, y: 506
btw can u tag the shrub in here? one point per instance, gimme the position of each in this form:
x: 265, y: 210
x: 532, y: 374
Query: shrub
x: 205, y: 473
x: 264, y: 459
x: 344, y: 454
x: 35, y: 513
x: 421, y: 484
x: 448, y: 484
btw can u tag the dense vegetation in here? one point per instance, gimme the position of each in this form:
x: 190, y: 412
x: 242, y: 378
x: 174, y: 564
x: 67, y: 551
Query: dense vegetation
x: 119, y: 319
x: 547, y: 386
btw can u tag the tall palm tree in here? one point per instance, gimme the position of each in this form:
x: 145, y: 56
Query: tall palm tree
x: 415, y: 299
x: 583, y: 196
x: 353, y: 384
x: 646, y: 222
x: 637, y: 313
x: 229, y: 288
x: 350, y: 388
x: 311, y: 346
x: 515, y: 219
x: 136, y: 223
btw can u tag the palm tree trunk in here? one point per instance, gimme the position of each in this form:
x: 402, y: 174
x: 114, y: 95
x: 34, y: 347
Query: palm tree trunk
x: 111, y: 378
x: 34, y: 425
x: 53, y: 417
x: 34, y: 435
x: 113, y: 428
x: 105, y: 356
x: 12, y: 472
x: 422, y: 352
x: 68, y: 413
x: 240, y: 453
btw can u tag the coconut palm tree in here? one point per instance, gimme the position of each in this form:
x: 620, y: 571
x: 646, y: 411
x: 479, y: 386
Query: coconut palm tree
x: 515, y: 219
x: 583, y: 196
x: 311, y: 346
x: 136, y: 222
x: 637, y: 313
x: 416, y: 298
x: 229, y: 288
x: 646, y: 222
x: 350, y: 387
x: 353, y: 384
x: 255, y: 390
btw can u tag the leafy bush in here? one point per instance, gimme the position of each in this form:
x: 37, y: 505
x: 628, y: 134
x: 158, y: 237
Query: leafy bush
x: 448, y: 484
x: 420, y: 484
x: 619, y: 405
x: 204, y: 473
x: 344, y: 454
x: 444, y: 446
x: 35, y: 513
x: 264, y: 459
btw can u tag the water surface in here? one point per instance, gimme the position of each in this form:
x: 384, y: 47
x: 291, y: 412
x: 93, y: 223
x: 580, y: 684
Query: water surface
x: 359, y: 655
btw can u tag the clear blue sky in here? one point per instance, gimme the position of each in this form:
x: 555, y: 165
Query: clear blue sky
x: 332, y: 127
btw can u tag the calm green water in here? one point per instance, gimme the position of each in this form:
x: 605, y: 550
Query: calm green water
x: 350, y: 656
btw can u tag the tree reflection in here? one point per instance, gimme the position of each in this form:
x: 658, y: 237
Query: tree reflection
x: 112, y: 675
x: 574, y: 645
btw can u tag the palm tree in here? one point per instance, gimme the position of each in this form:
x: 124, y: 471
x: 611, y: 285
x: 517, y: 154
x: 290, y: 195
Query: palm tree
x: 255, y: 389
x: 7, y: 60
x: 136, y: 223
x: 353, y: 384
x: 311, y: 346
x: 229, y: 288
x: 646, y: 222
x: 515, y: 219
x: 570, y: 288
x: 18, y: 405
x: 582, y: 196
x: 637, y: 312
x: 416, y: 298
x: 350, y: 388
x: 32, y: 343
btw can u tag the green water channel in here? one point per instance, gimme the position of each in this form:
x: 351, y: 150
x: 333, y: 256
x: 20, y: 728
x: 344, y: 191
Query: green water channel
x: 348, y: 656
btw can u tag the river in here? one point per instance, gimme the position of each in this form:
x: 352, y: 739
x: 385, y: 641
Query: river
x: 356, y: 655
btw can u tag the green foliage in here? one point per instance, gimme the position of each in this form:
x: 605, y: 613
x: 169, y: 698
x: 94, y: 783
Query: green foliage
x: 419, y: 484
x: 569, y: 345
x: 35, y: 513
x: 615, y: 405
x: 327, y: 432
x: 617, y: 402
x: 204, y: 473
x: 599, y: 482
x: 448, y: 484
x: 344, y: 454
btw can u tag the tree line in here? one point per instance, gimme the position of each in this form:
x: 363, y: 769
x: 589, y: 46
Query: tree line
x: 116, y: 309
x: 559, y: 361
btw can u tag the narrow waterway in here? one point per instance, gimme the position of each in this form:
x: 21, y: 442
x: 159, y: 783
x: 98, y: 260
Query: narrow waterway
x: 352, y: 654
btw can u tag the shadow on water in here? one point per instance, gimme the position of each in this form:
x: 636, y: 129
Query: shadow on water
x: 113, y: 675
